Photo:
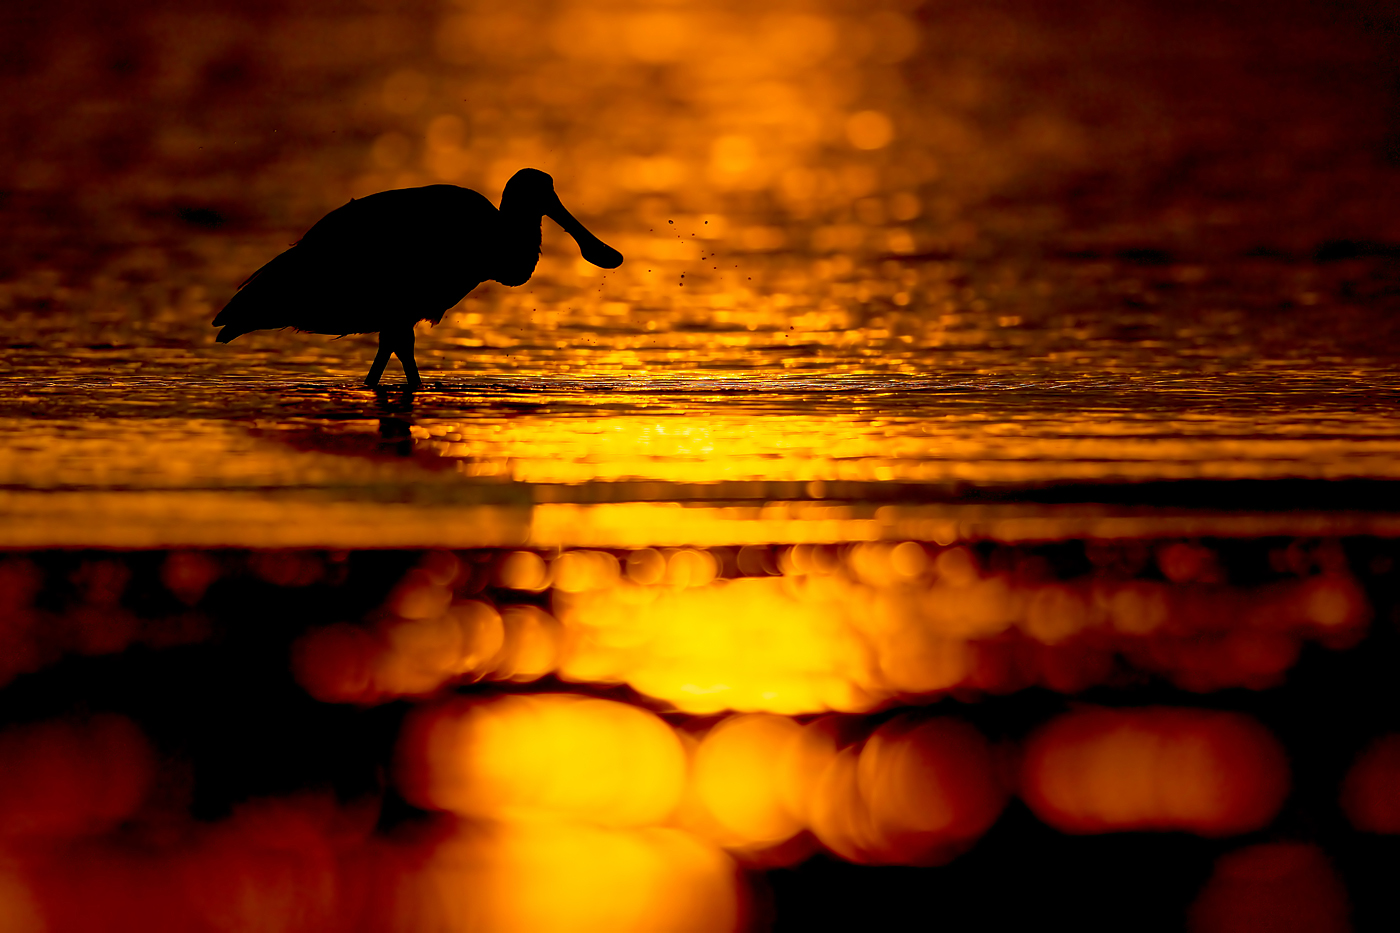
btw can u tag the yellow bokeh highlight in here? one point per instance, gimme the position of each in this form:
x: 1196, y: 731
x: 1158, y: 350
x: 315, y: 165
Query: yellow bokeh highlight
x: 750, y: 644
x: 813, y: 627
x: 422, y: 639
x: 545, y: 756
x: 577, y: 571
x: 570, y: 878
x: 421, y: 653
x: 531, y: 645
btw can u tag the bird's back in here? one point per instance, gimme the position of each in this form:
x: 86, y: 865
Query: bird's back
x: 393, y: 258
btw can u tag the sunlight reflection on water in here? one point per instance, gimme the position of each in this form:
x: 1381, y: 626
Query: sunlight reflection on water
x: 499, y: 440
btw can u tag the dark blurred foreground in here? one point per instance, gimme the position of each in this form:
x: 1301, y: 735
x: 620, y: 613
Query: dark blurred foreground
x: 243, y: 739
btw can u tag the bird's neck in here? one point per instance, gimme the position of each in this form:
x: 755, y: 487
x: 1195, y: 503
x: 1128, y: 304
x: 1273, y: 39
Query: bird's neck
x: 519, y: 250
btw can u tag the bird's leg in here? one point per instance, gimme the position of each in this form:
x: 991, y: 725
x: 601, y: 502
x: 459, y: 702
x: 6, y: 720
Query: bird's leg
x: 381, y: 359
x: 403, y: 348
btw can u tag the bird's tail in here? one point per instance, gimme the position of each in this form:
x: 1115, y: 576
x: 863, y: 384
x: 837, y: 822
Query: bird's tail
x: 259, y: 303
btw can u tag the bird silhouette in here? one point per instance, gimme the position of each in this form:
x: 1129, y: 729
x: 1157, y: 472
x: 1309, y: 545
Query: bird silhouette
x: 382, y: 263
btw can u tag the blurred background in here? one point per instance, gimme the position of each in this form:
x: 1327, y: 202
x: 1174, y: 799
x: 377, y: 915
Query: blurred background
x: 775, y: 155
x: 970, y: 504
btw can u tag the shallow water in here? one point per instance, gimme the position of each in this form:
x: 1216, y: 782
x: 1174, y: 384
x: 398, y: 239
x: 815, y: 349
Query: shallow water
x: 754, y: 416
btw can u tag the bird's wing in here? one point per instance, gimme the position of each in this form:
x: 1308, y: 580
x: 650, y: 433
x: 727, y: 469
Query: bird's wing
x: 259, y: 271
x: 402, y: 219
x: 415, y: 249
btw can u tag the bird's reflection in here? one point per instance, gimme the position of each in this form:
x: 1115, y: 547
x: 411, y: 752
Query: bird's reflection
x: 395, y: 436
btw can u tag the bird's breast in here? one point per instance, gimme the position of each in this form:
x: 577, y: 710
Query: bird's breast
x: 516, y: 272
x: 516, y: 253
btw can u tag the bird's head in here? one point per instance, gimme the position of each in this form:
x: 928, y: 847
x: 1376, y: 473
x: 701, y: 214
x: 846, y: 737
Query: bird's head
x: 530, y: 194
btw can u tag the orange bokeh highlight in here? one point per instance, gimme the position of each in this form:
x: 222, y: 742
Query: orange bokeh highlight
x: 546, y: 756
x: 566, y: 797
x: 817, y: 628
x: 918, y: 792
x: 1371, y: 791
x: 541, y: 877
x: 188, y: 574
x: 302, y: 864
x: 1285, y: 887
x: 421, y: 639
x: 1201, y: 771
x: 64, y: 779
x: 333, y: 663
x: 737, y: 775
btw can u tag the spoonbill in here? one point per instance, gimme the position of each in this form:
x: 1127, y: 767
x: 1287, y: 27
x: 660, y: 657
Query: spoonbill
x: 382, y: 263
